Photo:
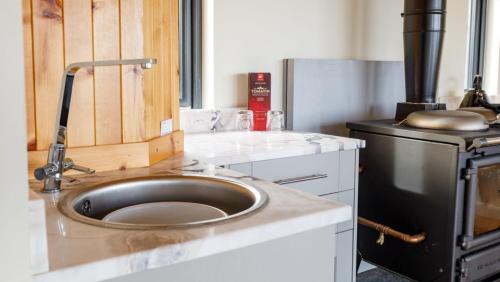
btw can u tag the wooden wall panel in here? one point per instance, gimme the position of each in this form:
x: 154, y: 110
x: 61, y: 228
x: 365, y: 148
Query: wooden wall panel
x: 133, y: 94
x: 152, y: 83
x: 48, y: 66
x: 160, y: 43
x: 107, y: 79
x: 78, y: 48
x: 172, y: 25
x: 111, y: 106
x: 28, y: 75
x: 149, y: 76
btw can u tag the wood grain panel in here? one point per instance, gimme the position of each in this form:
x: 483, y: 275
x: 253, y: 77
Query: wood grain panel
x: 106, y: 14
x: 159, y: 43
x: 174, y: 74
x: 152, y: 84
x: 110, y: 105
x: 163, y: 49
x: 115, y: 157
x: 48, y: 66
x: 28, y: 75
x: 78, y: 48
x: 98, y: 157
x: 133, y: 104
x: 166, y: 146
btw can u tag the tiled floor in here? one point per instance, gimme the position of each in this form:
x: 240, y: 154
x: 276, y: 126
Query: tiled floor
x: 379, y: 275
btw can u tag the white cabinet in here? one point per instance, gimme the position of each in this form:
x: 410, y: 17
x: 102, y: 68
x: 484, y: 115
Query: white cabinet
x: 331, y: 175
x: 245, y: 168
x: 314, y: 174
x: 345, y: 257
x: 348, y: 170
x: 346, y: 197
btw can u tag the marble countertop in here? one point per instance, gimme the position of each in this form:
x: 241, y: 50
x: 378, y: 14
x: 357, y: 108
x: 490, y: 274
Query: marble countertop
x: 81, y: 252
x: 240, y: 147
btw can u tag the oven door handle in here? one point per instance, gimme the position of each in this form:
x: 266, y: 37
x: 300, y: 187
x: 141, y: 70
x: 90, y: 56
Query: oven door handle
x: 483, y: 142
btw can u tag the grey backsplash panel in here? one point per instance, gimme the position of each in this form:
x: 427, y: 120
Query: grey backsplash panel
x: 322, y: 95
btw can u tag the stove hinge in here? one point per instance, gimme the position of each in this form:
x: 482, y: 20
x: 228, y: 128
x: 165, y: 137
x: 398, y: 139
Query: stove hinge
x: 468, y: 172
x: 462, y: 270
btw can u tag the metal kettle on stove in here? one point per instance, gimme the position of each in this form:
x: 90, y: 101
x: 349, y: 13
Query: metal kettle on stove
x: 476, y: 100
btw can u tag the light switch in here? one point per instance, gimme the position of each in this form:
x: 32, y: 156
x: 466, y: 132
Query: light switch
x: 166, y: 127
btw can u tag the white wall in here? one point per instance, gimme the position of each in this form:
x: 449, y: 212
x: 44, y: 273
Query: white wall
x: 14, y: 250
x: 380, y: 38
x: 379, y: 30
x: 257, y: 35
x: 454, y: 61
x: 492, y: 48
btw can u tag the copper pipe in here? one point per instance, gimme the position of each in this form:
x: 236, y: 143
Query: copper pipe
x: 411, y: 239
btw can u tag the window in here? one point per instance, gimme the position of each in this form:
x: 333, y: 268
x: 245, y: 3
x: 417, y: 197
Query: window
x: 190, y: 52
x: 484, y: 58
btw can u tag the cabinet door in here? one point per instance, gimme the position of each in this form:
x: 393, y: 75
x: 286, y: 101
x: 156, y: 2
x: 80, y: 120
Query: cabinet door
x: 347, y: 170
x: 344, y: 258
x: 315, y: 174
x: 345, y: 197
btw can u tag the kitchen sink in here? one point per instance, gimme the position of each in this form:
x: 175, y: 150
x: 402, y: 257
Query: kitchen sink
x: 232, y: 198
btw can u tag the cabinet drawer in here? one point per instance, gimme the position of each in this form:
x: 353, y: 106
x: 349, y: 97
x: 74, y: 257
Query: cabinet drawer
x: 314, y: 174
x: 345, y: 197
x: 344, y: 257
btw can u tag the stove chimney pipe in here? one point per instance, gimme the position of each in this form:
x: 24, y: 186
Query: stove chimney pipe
x: 424, y: 23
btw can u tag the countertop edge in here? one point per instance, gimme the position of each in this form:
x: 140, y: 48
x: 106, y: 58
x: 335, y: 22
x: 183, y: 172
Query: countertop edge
x: 124, y: 265
x: 238, y: 153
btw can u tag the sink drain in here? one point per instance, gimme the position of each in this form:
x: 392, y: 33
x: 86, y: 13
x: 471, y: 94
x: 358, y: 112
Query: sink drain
x: 86, y: 207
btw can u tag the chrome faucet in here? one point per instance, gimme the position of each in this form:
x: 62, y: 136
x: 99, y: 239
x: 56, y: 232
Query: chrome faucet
x: 215, y: 120
x: 52, y: 172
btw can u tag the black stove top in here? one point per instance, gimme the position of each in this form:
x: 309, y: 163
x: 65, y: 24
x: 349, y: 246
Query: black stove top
x: 389, y: 127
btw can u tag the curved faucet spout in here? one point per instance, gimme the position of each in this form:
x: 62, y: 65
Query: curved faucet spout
x: 52, y: 172
x: 67, y: 89
x: 145, y: 63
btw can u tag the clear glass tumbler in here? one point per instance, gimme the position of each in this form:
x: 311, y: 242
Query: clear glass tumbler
x: 245, y: 120
x: 275, y: 121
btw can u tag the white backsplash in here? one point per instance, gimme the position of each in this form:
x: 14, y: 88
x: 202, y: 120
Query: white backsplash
x: 200, y: 120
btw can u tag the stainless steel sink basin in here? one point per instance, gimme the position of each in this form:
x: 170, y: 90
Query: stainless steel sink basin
x: 90, y: 205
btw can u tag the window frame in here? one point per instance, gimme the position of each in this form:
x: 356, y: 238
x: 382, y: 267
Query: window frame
x: 477, y: 39
x: 190, y: 46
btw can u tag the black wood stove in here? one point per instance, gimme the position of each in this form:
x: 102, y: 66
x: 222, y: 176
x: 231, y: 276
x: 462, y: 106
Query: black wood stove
x: 429, y: 199
x: 444, y: 185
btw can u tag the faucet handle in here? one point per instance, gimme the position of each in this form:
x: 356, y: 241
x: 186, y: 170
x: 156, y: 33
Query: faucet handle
x: 70, y: 164
x: 45, y: 171
x: 215, y: 120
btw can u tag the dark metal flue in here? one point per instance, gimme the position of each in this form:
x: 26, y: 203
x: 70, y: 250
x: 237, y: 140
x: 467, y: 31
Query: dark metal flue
x: 424, y: 24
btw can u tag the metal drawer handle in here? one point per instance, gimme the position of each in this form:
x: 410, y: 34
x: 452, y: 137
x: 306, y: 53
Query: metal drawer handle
x: 301, y: 179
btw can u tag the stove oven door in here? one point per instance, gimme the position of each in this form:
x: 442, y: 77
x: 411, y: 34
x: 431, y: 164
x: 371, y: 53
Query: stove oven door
x: 481, y: 238
x: 482, y: 206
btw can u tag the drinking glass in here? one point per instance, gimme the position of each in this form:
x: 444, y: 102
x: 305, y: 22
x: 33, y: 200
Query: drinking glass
x: 275, y: 121
x: 245, y: 120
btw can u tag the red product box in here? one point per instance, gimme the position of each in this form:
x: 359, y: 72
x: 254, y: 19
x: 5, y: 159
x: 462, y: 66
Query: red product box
x: 259, y: 98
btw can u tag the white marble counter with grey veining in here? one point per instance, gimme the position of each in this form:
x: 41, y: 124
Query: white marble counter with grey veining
x: 81, y: 252
x: 234, y: 147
